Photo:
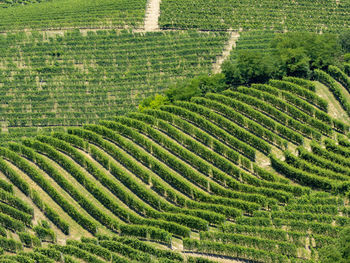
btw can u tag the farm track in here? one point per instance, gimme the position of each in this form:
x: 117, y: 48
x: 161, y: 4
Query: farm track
x: 231, y: 44
x: 152, y: 16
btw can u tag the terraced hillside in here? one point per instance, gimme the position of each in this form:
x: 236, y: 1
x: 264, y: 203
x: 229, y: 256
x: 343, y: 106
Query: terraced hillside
x: 258, y: 173
x: 301, y: 15
x: 82, y: 78
x: 58, y: 14
x: 252, y: 173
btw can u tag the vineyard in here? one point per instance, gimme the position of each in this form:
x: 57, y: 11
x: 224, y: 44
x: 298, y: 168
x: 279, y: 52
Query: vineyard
x: 9, y: 3
x: 120, y: 143
x: 82, y: 78
x: 179, y: 173
x: 63, y: 14
x: 303, y: 15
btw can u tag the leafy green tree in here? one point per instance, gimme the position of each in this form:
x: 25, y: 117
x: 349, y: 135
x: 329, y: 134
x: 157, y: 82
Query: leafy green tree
x: 153, y: 102
x: 296, y: 49
x: 196, y: 87
x: 344, y: 40
x: 252, y: 67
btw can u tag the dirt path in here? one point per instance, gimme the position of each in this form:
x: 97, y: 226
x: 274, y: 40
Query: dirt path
x: 226, y: 52
x: 152, y: 15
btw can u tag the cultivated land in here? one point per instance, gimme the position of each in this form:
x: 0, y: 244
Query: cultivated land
x: 258, y: 174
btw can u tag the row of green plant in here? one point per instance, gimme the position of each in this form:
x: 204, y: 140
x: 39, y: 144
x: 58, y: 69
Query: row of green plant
x: 276, y: 114
x: 309, y: 167
x: 308, y: 179
x: 337, y: 149
x: 59, y: 64
x: 305, y: 94
x: 287, y: 108
x: 23, y: 185
x: 322, y: 162
x: 120, y: 191
x: 232, y: 250
x: 100, y: 194
x: 174, y: 133
x: 58, y: 14
x: 234, y: 171
x: 203, y: 167
x: 278, y: 247
x: 271, y: 233
x: 161, y: 188
x: 229, y: 126
x: 304, y: 106
x: 241, y: 120
x: 324, y: 153
x: 177, y: 165
x: 259, y: 117
x: 285, y: 15
x: 180, y: 110
x: 328, y: 81
x: 45, y: 185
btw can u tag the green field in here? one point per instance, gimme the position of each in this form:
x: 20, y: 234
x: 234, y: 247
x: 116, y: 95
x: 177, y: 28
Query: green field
x: 120, y: 144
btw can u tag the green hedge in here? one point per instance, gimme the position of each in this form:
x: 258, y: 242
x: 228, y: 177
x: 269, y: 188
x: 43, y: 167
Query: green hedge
x: 120, y: 191
x: 10, y: 245
x: 307, y: 117
x: 241, y: 120
x: 278, y: 247
x: 29, y: 240
x: 230, y: 127
x: 322, y: 162
x: 301, y: 82
x: 194, y: 161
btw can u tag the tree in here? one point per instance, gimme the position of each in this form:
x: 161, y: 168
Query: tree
x: 196, y: 87
x: 153, y: 102
x: 299, y: 49
x: 344, y: 40
x: 252, y: 67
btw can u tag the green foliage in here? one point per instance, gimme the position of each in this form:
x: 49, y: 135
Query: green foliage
x: 292, y: 54
x: 327, y: 80
x: 44, y: 232
x: 338, y: 252
x: 251, y: 67
x: 302, y: 52
x: 185, y: 90
x: 115, y: 69
x: 153, y: 102
x: 10, y: 245
x: 29, y: 240
x: 344, y: 40
x: 76, y: 14
x: 280, y: 15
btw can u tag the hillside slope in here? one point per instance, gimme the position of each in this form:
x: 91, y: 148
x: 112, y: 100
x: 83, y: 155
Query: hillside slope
x: 189, y: 167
